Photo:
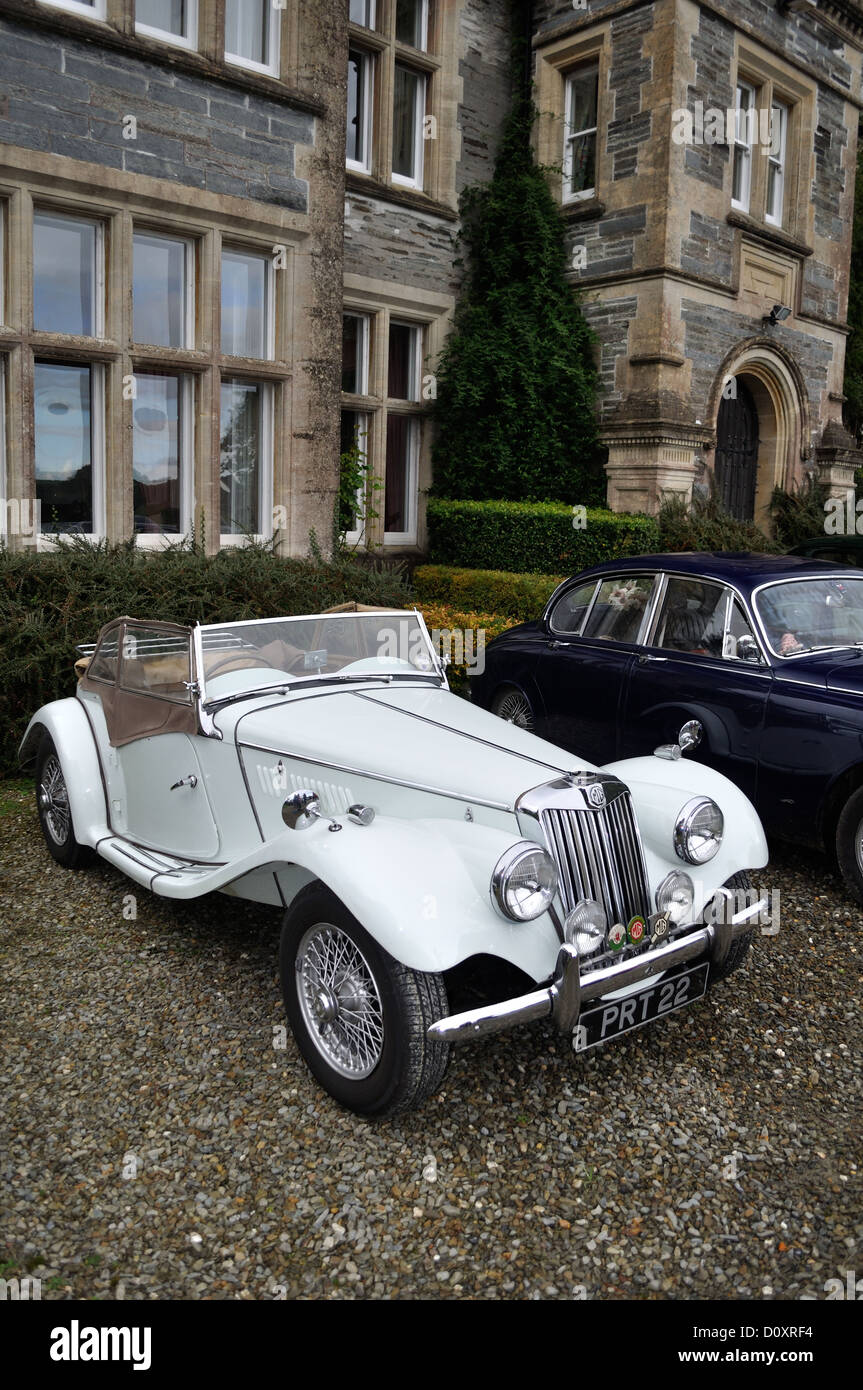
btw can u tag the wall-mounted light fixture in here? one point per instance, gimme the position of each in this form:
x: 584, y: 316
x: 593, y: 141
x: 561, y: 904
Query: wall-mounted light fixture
x: 777, y: 314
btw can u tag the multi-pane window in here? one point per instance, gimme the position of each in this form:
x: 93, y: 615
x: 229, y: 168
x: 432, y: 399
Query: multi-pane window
x: 745, y: 125
x: 163, y: 289
x: 161, y: 453
x: 359, y: 131
x: 245, y: 454
x: 402, y: 449
x: 68, y: 411
x: 412, y: 22
x: 68, y: 275
x: 580, y: 127
x: 363, y: 12
x: 246, y: 304
x: 409, y: 95
x: 776, y: 161
x: 252, y: 34
x: 173, y: 21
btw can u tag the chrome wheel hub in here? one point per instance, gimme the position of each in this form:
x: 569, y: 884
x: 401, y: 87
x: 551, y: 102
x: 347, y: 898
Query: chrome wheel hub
x: 340, y: 1001
x: 53, y: 799
x: 858, y: 846
x: 515, y: 710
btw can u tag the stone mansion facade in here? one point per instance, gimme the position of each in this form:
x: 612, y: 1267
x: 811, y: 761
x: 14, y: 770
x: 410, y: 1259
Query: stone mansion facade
x: 228, y: 248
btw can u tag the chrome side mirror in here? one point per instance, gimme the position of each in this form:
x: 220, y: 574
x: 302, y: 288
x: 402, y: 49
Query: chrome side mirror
x: 301, y: 809
x: 690, y: 735
x: 747, y: 648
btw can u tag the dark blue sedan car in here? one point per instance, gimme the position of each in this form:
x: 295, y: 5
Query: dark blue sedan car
x: 765, y: 652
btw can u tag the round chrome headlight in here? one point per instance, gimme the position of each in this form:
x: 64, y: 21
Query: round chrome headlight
x: 585, y: 926
x: 675, y: 896
x: 524, y: 882
x: 698, y: 830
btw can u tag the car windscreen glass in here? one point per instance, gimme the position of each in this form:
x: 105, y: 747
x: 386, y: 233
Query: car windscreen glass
x: 810, y: 614
x: 567, y: 615
x: 252, y: 655
x: 618, y: 611
x: 103, y: 666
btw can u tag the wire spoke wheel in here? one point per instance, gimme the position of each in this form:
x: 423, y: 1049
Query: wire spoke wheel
x: 515, y: 709
x: 54, y: 800
x: 340, y: 1001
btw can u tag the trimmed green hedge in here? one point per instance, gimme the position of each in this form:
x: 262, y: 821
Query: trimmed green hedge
x: 50, y: 602
x: 532, y: 537
x: 519, y: 596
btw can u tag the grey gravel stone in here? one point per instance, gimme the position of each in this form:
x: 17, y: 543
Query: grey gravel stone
x: 157, y: 1145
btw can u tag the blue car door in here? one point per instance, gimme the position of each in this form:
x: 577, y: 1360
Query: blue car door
x: 702, y: 661
x: 591, y: 637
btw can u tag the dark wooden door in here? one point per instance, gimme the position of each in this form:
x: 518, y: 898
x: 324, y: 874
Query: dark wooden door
x: 737, y: 454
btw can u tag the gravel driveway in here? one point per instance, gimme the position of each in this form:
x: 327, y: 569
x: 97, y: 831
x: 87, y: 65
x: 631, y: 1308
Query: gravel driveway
x: 164, y: 1140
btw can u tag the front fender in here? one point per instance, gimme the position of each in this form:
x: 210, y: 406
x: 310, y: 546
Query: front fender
x: 660, y: 787
x: 69, y: 727
x: 421, y: 889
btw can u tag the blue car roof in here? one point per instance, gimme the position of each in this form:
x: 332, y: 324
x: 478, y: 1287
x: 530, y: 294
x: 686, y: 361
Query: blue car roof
x: 743, y: 569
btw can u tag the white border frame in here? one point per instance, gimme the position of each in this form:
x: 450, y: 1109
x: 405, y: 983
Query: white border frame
x: 367, y: 88
x: 265, y: 482
x: 570, y: 136
x: 157, y: 540
x: 99, y: 279
x: 47, y: 539
x: 98, y: 10
x: 744, y: 146
x: 273, y: 67
x: 418, y: 177
x: 189, y: 40
x: 778, y: 162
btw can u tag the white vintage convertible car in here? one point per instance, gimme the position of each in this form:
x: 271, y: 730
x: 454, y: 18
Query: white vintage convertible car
x: 321, y: 764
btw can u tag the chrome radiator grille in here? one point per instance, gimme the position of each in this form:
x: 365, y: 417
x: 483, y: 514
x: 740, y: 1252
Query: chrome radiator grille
x: 599, y: 855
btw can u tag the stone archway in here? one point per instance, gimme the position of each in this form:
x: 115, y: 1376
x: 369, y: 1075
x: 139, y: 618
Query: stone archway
x: 771, y: 386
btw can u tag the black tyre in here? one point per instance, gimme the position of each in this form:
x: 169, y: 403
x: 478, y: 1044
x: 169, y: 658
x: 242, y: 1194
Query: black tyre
x: 514, y: 706
x: 849, y: 844
x: 358, y: 1016
x: 55, y: 813
x: 738, y: 883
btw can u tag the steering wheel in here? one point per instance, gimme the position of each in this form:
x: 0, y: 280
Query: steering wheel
x: 232, y: 662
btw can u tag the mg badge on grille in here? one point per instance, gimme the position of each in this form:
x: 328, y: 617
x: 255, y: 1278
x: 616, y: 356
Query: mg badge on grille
x: 596, y: 794
x: 660, y: 924
x: 635, y: 930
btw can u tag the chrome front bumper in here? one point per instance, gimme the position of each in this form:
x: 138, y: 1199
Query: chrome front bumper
x: 569, y: 991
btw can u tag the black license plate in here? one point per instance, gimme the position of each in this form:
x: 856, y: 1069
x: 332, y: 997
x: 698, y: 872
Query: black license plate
x: 611, y: 1017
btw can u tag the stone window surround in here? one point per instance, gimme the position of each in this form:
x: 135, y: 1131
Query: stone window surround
x: 554, y: 64
x: 116, y: 354
x: 775, y: 83
x: 438, y: 64
x: 381, y: 301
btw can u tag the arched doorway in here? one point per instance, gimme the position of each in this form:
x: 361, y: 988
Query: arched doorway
x: 762, y: 420
x: 736, y: 465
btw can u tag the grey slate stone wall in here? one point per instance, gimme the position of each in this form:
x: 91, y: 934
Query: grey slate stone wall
x: 389, y: 242
x: 712, y: 48
x: 610, y: 322
x: 609, y: 241
x: 630, y: 126
x: 485, y: 73
x: 70, y: 98
x: 711, y: 333
x: 709, y: 248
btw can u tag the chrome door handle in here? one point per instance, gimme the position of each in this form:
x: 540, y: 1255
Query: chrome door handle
x: 190, y: 781
x: 644, y: 657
